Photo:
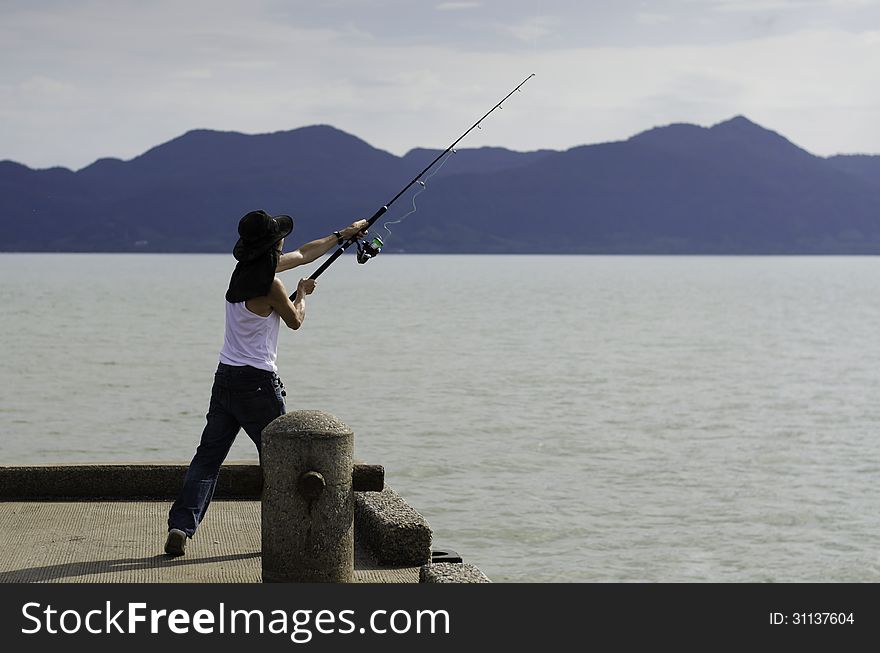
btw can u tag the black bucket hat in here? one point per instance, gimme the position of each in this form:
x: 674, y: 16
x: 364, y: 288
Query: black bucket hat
x: 258, y: 231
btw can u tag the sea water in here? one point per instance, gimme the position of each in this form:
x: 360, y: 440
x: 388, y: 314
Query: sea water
x: 554, y: 418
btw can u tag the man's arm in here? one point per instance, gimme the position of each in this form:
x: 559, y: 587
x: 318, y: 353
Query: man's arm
x: 292, y: 312
x: 306, y: 253
x: 314, y: 249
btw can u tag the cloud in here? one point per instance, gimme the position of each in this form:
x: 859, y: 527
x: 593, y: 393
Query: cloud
x: 760, y: 6
x: 648, y: 18
x: 530, y: 29
x: 754, y: 6
x: 46, y: 89
x: 193, y: 74
x: 457, y: 6
x: 81, y: 82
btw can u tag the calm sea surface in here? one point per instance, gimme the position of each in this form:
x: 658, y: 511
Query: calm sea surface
x: 554, y: 418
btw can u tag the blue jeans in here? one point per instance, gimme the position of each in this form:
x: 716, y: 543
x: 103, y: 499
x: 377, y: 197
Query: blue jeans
x: 242, y: 397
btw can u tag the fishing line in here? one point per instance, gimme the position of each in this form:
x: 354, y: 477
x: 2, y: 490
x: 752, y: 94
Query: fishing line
x: 424, y: 186
x: 369, y: 249
x: 535, y: 30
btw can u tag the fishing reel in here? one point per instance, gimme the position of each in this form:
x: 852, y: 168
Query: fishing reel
x: 369, y: 249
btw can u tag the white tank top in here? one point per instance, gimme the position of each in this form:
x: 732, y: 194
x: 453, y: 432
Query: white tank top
x: 250, y: 338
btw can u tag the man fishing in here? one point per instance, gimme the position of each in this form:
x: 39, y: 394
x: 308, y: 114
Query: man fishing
x: 247, y: 392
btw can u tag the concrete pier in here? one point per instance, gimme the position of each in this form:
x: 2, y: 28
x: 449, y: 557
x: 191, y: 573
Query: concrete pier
x: 107, y: 524
x: 121, y: 542
x: 308, y: 504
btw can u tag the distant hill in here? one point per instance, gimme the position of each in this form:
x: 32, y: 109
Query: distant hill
x: 733, y: 188
x: 865, y: 166
x: 479, y: 161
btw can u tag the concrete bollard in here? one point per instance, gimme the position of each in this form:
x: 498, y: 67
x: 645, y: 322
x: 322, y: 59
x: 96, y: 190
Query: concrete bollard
x: 307, y: 503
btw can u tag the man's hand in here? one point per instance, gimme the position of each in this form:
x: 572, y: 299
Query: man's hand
x: 316, y: 248
x: 305, y: 287
x: 357, y: 228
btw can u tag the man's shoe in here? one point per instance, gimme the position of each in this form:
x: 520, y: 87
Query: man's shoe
x: 175, y: 545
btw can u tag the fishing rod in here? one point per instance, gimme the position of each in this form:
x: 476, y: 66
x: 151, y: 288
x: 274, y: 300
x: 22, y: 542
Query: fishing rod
x: 370, y: 249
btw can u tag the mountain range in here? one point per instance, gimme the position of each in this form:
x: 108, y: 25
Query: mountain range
x: 733, y: 188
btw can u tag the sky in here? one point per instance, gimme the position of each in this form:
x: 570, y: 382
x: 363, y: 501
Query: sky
x: 82, y: 80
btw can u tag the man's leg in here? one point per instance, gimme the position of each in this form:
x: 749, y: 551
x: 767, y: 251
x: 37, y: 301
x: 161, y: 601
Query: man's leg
x: 255, y: 412
x: 201, y: 478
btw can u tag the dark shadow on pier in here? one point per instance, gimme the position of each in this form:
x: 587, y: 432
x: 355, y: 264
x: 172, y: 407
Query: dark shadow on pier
x: 121, y: 565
